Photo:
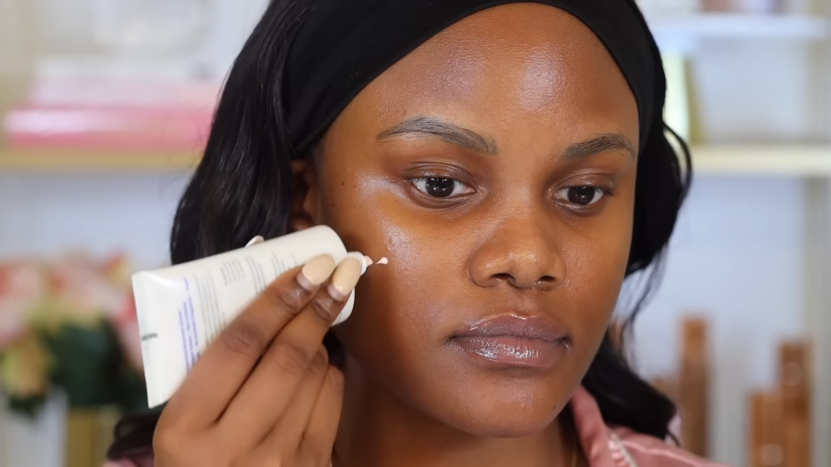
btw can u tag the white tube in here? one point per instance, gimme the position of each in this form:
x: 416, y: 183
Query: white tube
x: 183, y: 308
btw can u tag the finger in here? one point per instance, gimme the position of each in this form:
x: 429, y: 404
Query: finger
x: 316, y: 445
x: 226, y: 364
x: 285, y: 436
x: 318, y: 441
x: 269, y: 390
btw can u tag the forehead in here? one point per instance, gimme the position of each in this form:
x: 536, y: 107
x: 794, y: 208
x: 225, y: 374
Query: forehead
x: 507, y: 64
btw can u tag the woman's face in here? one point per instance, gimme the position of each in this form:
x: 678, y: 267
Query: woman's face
x: 495, y: 167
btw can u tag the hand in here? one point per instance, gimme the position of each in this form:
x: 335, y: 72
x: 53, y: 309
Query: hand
x: 263, y: 393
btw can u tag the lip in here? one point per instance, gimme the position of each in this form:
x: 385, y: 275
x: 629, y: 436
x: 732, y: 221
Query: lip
x: 513, y: 341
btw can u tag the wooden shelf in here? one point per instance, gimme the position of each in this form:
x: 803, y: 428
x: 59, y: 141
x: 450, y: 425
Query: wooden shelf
x: 737, y: 25
x: 763, y: 160
x: 95, y: 161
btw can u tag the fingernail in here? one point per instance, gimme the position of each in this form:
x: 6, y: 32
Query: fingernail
x: 315, y: 272
x: 256, y: 240
x: 345, y: 279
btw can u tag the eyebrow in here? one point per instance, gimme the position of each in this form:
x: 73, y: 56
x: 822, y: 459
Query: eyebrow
x: 604, y: 143
x: 448, y: 132
x: 468, y: 139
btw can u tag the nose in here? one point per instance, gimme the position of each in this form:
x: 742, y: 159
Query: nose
x: 519, y: 252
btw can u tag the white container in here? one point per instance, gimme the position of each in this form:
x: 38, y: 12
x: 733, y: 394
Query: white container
x: 183, y: 308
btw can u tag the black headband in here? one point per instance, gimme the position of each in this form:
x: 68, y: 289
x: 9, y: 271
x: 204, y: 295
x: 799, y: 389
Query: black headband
x: 345, y: 44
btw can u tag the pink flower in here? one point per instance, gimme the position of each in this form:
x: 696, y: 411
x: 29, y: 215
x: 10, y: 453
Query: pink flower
x: 85, y: 291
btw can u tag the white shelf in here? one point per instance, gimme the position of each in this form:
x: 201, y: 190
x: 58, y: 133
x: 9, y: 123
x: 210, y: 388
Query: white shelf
x: 767, y: 160
x: 95, y: 161
x: 682, y: 32
x: 737, y: 25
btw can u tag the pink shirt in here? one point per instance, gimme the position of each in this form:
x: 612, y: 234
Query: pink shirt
x: 621, y: 447
x: 604, y: 446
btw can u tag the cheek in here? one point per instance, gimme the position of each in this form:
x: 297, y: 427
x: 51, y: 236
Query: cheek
x: 384, y: 323
x: 401, y: 309
x: 597, y: 260
x: 357, y: 204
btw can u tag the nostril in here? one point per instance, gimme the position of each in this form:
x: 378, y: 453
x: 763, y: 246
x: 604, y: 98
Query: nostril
x: 505, y: 277
x: 545, y: 280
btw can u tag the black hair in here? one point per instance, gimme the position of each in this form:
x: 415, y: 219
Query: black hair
x: 243, y: 187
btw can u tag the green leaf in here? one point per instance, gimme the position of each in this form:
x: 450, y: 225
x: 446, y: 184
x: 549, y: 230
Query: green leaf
x: 29, y: 407
x: 89, y: 366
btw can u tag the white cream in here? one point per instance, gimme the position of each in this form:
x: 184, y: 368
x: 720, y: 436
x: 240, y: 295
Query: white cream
x: 183, y: 308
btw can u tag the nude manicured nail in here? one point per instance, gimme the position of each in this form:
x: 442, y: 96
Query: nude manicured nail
x: 345, y: 279
x: 255, y: 241
x: 315, y: 272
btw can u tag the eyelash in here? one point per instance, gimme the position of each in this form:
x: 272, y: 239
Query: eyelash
x: 604, y: 192
x: 425, y: 180
x: 420, y: 183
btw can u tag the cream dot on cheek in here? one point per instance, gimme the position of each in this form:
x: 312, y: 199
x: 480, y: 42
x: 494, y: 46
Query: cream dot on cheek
x: 370, y: 262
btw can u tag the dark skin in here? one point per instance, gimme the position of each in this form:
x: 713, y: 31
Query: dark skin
x: 495, y: 167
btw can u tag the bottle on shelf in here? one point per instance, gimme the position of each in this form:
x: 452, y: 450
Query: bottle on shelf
x: 694, y: 383
x: 766, y: 434
x: 794, y: 380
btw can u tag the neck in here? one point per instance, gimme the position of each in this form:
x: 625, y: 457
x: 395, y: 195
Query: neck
x: 378, y: 429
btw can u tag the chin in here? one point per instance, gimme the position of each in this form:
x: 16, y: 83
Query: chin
x: 506, y: 421
x: 512, y: 409
x: 507, y: 429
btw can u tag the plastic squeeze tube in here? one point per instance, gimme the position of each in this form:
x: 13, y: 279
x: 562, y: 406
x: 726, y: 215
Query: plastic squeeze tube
x: 183, y: 308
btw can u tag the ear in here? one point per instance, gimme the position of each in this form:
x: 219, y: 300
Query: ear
x: 304, y: 205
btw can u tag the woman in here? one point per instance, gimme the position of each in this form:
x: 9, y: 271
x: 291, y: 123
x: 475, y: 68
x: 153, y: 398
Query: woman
x: 510, y: 160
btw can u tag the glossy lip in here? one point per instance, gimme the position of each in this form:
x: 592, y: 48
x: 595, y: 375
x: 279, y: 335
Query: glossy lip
x: 513, y: 341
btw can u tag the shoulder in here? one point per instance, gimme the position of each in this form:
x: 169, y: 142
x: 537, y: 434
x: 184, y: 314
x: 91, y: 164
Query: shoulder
x: 647, y: 451
x: 621, y: 447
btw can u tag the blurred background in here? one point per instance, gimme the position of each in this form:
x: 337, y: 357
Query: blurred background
x: 104, y: 105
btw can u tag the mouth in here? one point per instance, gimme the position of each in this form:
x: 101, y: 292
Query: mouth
x: 512, y: 341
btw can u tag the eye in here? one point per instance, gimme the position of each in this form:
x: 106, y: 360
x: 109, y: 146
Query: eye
x: 581, y: 195
x: 438, y: 187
